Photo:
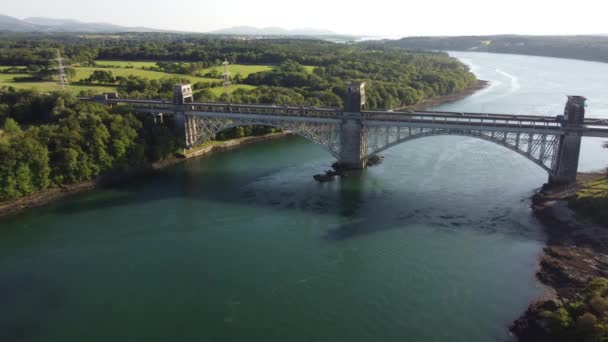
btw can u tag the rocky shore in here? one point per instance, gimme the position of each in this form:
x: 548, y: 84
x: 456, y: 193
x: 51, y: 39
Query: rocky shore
x: 576, y: 252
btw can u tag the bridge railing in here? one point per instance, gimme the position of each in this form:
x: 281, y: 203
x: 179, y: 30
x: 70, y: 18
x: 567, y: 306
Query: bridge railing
x: 330, y: 113
x: 470, y: 119
x: 228, y: 108
x: 594, y: 125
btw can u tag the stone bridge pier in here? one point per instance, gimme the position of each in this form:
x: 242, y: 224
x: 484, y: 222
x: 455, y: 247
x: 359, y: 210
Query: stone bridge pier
x: 182, y: 95
x: 569, y: 147
x: 352, y: 135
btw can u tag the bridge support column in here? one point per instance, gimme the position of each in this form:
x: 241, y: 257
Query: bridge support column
x: 569, y: 143
x: 182, y: 94
x: 352, y: 137
x: 179, y: 125
x: 352, y: 155
x: 567, y: 159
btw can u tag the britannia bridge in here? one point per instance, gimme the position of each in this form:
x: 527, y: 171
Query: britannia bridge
x: 354, y: 134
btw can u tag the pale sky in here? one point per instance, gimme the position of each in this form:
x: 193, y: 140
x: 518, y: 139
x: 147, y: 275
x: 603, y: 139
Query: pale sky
x: 372, y: 17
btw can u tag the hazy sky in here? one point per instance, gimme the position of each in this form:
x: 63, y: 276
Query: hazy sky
x: 371, y: 17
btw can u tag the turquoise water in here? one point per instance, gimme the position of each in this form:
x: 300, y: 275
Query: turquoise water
x: 539, y: 85
x: 436, y: 244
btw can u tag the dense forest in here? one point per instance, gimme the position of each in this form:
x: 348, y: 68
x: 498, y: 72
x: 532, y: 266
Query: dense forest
x: 47, y: 140
x: 589, y: 48
x: 51, y: 139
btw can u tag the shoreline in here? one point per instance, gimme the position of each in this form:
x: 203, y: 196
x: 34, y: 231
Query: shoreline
x: 575, y: 252
x: 440, y: 100
x: 14, y: 207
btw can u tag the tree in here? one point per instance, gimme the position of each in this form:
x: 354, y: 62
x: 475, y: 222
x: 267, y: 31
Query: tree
x: 102, y: 77
x: 11, y: 127
x: 70, y: 73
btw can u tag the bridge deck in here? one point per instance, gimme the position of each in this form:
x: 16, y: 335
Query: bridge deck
x: 594, y: 127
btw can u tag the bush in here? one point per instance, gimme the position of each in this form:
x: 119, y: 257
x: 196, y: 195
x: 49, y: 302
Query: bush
x: 582, y: 320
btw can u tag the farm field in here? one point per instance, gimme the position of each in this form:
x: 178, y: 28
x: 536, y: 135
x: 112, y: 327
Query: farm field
x: 45, y: 87
x: 126, y: 64
x: 4, y: 67
x: 217, y: 91
x: 242, y: 69
x: 84, y: 72
x: 10, y: 77
x: 134, y: 68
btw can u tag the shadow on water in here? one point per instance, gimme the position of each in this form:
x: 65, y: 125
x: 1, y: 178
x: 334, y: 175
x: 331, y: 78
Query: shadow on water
x: 361, y: 210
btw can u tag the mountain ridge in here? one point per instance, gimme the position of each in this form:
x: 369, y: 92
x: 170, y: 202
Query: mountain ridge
x: 273, y: 31
x: 41, y: 24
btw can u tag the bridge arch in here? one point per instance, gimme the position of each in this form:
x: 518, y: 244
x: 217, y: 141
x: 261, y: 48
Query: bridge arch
x: 201, y: 129
x: 541, y: 149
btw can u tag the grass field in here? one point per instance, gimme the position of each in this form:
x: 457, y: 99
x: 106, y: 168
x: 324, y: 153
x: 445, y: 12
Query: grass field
x: 242, y: 69
x: 46, y: 87
x: 8, y: 80
x: 309, y: 68
x: 10, y: 77
x: 591, y: 200
x: 4, y: 67
x: 123, y: 68
x: 217, y: 91
x: 125, y: 64
x: 85, y: 72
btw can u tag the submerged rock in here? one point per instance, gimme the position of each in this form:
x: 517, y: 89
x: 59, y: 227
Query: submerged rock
x: 375, y: 160
x: 328, y: 176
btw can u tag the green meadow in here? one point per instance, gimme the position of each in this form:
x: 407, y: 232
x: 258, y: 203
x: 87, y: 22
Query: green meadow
x: 126, y: 64
x: 220, y: 90
x: 243, y: 70
x: 133, y: 68
x: 84, y: 72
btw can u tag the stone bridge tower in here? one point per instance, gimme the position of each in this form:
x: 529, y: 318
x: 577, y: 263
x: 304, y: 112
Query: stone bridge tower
x: 352, y: 139
x: 182, y: 95
x: 570, y: 143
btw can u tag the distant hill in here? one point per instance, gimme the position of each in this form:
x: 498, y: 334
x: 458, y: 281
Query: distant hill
x: 273, y: 31
x: 12, y: 24
x: 590, y: 48
x: 15, y: 25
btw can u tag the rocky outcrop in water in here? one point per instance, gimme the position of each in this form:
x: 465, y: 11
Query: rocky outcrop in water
x: 328, y: 176
x: 375, y: 160
x: 338, y: 170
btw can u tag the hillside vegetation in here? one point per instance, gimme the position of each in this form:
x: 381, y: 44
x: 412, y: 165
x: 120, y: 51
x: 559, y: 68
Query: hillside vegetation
x: 591, y: 200
x: 299, y: 72
x: 48, y: 138
x: 589, y: 48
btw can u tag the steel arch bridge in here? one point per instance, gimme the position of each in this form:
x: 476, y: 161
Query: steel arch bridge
x: 541, y: 149
x: 352, y: 134
x: 201, y: 128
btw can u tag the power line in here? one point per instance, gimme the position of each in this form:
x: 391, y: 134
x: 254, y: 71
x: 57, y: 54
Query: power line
x: 63, y: 78
x: 226, y: 77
